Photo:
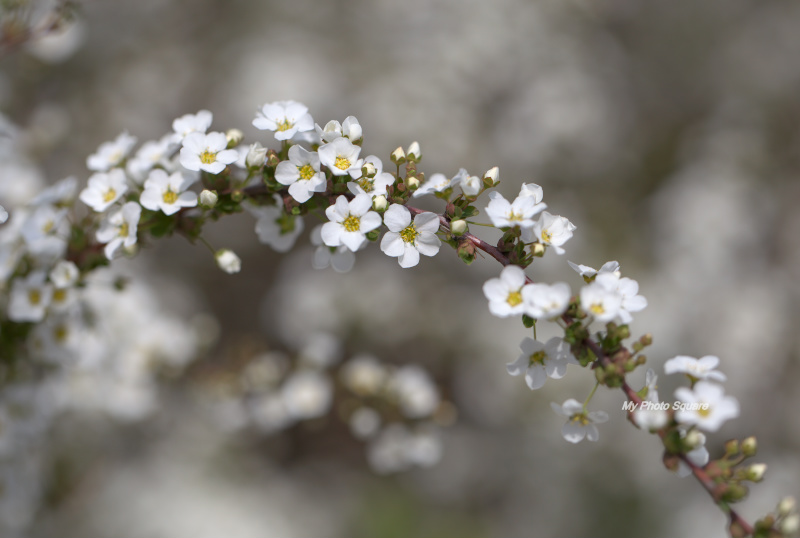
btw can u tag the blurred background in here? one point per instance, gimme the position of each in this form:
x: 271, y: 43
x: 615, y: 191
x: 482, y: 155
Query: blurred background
x: 668, y: 132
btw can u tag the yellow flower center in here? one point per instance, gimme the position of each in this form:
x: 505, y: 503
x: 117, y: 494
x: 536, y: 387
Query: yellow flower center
x: 580, y: 418
x: 60, y: 334
x: 124, y: 230
x: 367, y: 184
x: 170, y: 197
x: 109, y: 195
x: 48, y: 226
x: 597, y: 308
x: 34, y: 297
x: 207, y: 157
x: 546, y: 236
x: 537, y: 358
x: 285, y: 125
x: 704, y: 412
x: 409, y: 234
x: 59, y: 295
x: 515, y: 217
x: 306, y: 172
x: 342, y: 163
x: 514, y: 298
x: 352, y: 223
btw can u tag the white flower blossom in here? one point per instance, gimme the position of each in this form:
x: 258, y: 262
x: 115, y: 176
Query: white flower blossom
x: 191, y: 123
x: 439, y: 183
x: 275, y: 227
x: 349, y: 222
x: 406, y: 240
x: 110, y: 154
x: 534, y: 191
x: 580, y: 423
x: 698, y: 455
x: 104, y: 189
x: 301, y: 173
x: 627, y: 289
x: 539, y: 361
x: 600, y: 302
x: 714, y: 407
x: 415, y: 392
x: 350, y: 129
x: 65, y: 274
x: 60, y: 194
x: 45, y: 232
x: 207, y: 152
x: 543, y: 301
x: 364, y: 422
x: 340, y: 258
x: 285, y: 118
x: 30, y: 297
x: 470, y: 185
x: 167, y: 193
x: 3, y: 215
x: 505, y: 293
x: 520, y: 212
x: 375, y: 185
x: 307, y: 395
x: 551, y: 230
x: 588, y: 272
x: 341, y: 157
x: 152, y: 153
x: 364, y: 375
x: 702, y: 368
x: 119, y: 229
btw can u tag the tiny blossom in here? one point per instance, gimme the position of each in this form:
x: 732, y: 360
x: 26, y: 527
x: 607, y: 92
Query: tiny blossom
x: 307, y: 395
x: 208, y: 199
x: 373, y: 184
x: 628, y: 290
x: 61, y: 194
x: 191, y: 123
x: 439, y: 183
x: 580, y: 423
x: 103, y: 190
x: 406, y: 240
x: 539, y: 361
x: 534, y: 191
x: 45, y: 232
x: 110, y: 154
x: 341, y: 157
x: 64, y: 274
x: 256, y: 156
x: 340, y: 258
x: 30, y: 297
x: 505, y: 293
x: 350, y: 128
x: 349, y: 222
x: 301, y: 173
x: 207, y: 152
x: 415, y: 392
x: 551, y: 230
x: 543, y: 301
x: 702, y: 368
x: 275, y: 227
x: 520, y: 212
x: 152, y: 153
x: 363, y: 375
x: 285, y: 118
x: 470, y: 185
x: 228, y: 261
x: 600, y: 302
x: 646, y: 416
x: 119, y: 229
x: 698, y: 455
x: 167, y: 193
x: 586, y: 271
x: 397, y: 448
x: 650, y: 383
x: 714, y: 407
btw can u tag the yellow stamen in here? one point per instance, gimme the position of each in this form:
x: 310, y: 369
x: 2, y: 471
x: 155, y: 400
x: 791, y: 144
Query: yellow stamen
x: 170, y: 197
x: 60, y: 334
x: 306, y: 172
x: 342, y: 163
x: 597, y: 308
x: 285, y: 125
x: 60, y: 295
x: 704, y: 412
x: 514, y: 298
x: 409, y: 234
x: 207, y: 157
x: 124, y: 230
x: 546, y: 236
x: 34, y: 297
x: 109, y: 195
x: 352, y: 223
x: 537, y: 358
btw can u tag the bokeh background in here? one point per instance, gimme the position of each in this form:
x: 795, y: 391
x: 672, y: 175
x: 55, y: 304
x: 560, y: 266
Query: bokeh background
x: 668, y: 132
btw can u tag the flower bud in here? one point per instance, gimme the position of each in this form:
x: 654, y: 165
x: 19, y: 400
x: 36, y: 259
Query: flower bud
x: 790, y: 524
x: 368, y: 169
x: 694, y: 439
x: 492, y: 174
x: 414, y: 154
x: 749, y: 446
x: 234, y: 137
x: 786, y: 506
x: 458, y: 227
x: 256, y: 156
x: 755, y: 473
x: 398, y: 156
x: 471, y: 186
x: 228, y: 261
x: 208, y: 199
x: 537, y: 249
x: 379, y: 203
x: 272, y: 159
x: 413, y: 183
x: 731, y: 447
x: 237, y: 195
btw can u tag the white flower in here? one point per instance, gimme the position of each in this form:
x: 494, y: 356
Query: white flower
x: 104, y: 189
x: 439, y: 183
x: 152, y: 153
x: 341, y: 157
x: 30, y: 298
x: 228, y: 261
x: 505, y: 293
x: 650, y: 418
x: 110, y: 154
x: 65, y: 274
x: 307, y: 395
x: 61, y: 193
x: 533, y: 190
x: 586, y: 271
x: 580, y: 423
x: 301, y: 173
x: 550, y: 230
x: 350, y: 128
x: 713, y: 407
x: 340, y: 258
x: 406, y: 240
x: 471, y: 185
x: 167, y: 193
x: 191, y: 123
x: 376, y: 184
x: 363, y: 375
x: 702, y: 368
x: 208, y: 199
x: 45, y: 231
x: 207, y: 152
x: 415, y: 392
x: 349, y: 222
x: 256, y: 156
x: 627, y: 289
x: 119, y: 229
x: 520, y: 212
x: 275, y: 227
x: 539, y: 361
x: 600, y: 302
x: 285, y: 118
x: 698, y: 455
x: 543, y: 301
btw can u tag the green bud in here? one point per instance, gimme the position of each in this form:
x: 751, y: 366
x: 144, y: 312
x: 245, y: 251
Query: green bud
x: 234, y: 137
x: 731, y: 447
x: 786, y: 506
x: 398, y: 156
x: 749, y: 446
x: 458, y: 227
x: 237, y: 195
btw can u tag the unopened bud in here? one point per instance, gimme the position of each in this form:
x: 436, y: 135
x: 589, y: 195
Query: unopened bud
x: 272, y: 159
x: 458, y: 227
x: 786, y: 506
x: 398, y: 156
x: 256, y: 156
x: 790, y: 524
x: 413, y: 183
x: 537, y: 249
x: 492, y: 174
x: 208, y: 199
x: 368, y: 169
x: 414, y: 154
x: 228, y: 261
x: 749, y: 446
x: 732, y: 447
x: 379, y: 203
x: 237, y: 195
x: 755, y: 473
x: 694, y: 439
x: 234, y: 137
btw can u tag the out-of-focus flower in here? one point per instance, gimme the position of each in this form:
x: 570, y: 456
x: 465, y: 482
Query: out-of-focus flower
x: 702, y: 368
x: 111, y: 154
x: 580, y: 423
x: 119, y: 229
x: 104, y: 189
x: 544, y: 301
x: 539, y: 361
x: 228, y: 261
x: 705, y: 406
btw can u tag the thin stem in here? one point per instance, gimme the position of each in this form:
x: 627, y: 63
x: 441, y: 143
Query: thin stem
x: 591, y: 395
